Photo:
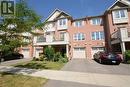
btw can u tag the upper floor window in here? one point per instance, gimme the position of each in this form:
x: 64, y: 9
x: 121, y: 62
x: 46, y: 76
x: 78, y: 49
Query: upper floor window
x: 79, y: 36
x: 62, y: 22
x: 96, y: 21
x: 41, y: 38
x: 120, y: 13
x: 62, y: 36
x: 78, y: 23
x: 98, y: 35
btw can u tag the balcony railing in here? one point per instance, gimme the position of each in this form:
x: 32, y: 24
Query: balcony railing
x: 42, y: 40
x: 121, y: 34
x: 115, y: 35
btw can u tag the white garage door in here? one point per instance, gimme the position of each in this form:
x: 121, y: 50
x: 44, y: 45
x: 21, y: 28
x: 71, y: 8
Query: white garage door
x: 79, y: 52
x: 96, y: 49
x: 26, y: 53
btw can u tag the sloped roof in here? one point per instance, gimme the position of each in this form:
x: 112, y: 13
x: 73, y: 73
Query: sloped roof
x: 60, y: 12
x: 126, y: 2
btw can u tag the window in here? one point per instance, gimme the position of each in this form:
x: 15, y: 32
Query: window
x: 41, y: 39
x: 96, y: 21
x: 62, y: 22
x: 97, y: 35
x: 120, y: 14
x: 78, y: 23
x: 62, y: 34
x: 79, y: 36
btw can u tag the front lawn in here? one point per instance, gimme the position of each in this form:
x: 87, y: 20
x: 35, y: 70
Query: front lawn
x: 128, y: 62
x: 41, y: 65
x: 13, y: 80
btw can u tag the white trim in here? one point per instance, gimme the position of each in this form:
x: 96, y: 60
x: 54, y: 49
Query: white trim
x: 55, y: 11
x: 122, y: 1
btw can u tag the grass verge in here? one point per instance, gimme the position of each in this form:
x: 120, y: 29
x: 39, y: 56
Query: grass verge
x: 128, y: 62
x: 13, y: 80
x: 41, y: 65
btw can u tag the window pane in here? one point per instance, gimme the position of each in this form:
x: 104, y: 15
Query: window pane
x: 122, y: 13
x: 102, y: 35
x: 62, y: 36
x: 94, y: 21
x: 117, y: 15
x: 79, y: 36
x: 78, y: 23
x: 97, y: 36
x: 98, y: 21
x: 64, y: 21
x: 83, y: 36
x: 93, y: 35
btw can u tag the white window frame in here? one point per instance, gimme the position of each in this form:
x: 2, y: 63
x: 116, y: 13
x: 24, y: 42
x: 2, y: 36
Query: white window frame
x: 98, y: 21
x: 99, y: 35
x: 79, y: 36
x: 62, y: 21
x: 119, y: 14
x: 79, y: 23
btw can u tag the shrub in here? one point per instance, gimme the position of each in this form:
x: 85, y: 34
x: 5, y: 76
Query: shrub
x: 35, y: 59
x: 127, y: 55
x: 64, y: 59
x: 42, y: 57
x: 57, y: 56
x: 49, y: 53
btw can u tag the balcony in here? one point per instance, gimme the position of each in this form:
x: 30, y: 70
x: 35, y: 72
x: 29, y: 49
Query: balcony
x: 50, y: 41
x: 122, y: 34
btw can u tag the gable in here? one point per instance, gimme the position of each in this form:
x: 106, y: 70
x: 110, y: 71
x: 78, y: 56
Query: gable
x: 53, y: 16
x: 119, y: 4
x: 57, y: 14
x: 62, y: 15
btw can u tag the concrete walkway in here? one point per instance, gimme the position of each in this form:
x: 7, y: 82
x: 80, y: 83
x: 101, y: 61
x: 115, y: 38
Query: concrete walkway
x: 73, y: 78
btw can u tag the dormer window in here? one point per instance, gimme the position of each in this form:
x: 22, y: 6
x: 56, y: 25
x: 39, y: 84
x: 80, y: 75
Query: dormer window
x: 120, y: 16
x: 62, y: 22
x: 120, y: 13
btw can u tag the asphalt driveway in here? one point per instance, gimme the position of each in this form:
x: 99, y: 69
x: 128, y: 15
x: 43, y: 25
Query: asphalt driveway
x: 12, y: 62
x: 85, y: 66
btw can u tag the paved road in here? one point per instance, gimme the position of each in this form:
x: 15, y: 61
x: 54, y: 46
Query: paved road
x: 80, y: 73
x: 96, y: 69
x: 12, y: 62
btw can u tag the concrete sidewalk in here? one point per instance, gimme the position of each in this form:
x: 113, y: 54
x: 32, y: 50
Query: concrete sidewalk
x: 71, y: 78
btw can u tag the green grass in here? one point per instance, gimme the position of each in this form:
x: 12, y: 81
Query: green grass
x: 12, y: 80
x: 128, y: 61
x: 41, y: 65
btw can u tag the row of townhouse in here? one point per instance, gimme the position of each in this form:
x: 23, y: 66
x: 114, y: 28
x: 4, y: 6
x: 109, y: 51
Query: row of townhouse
x: 81, y: 38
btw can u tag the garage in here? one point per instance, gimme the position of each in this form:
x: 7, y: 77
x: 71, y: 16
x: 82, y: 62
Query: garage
x: 79, y: 52
x: 96, y: 49
x: 26, y: 53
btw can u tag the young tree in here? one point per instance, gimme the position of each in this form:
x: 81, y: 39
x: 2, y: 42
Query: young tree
x: 14, y: 30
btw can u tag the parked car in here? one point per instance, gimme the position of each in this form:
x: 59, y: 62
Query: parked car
x: 11, y: 56
x: 104, y: 57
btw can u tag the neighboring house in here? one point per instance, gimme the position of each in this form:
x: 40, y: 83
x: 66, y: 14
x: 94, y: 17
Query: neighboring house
x: 117, y: 26
x: 81, y: 38
x: 28, y: 51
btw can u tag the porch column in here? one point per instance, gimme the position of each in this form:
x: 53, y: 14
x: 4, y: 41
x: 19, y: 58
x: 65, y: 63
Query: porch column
x: 123, y: 47
x: 67, y: 50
